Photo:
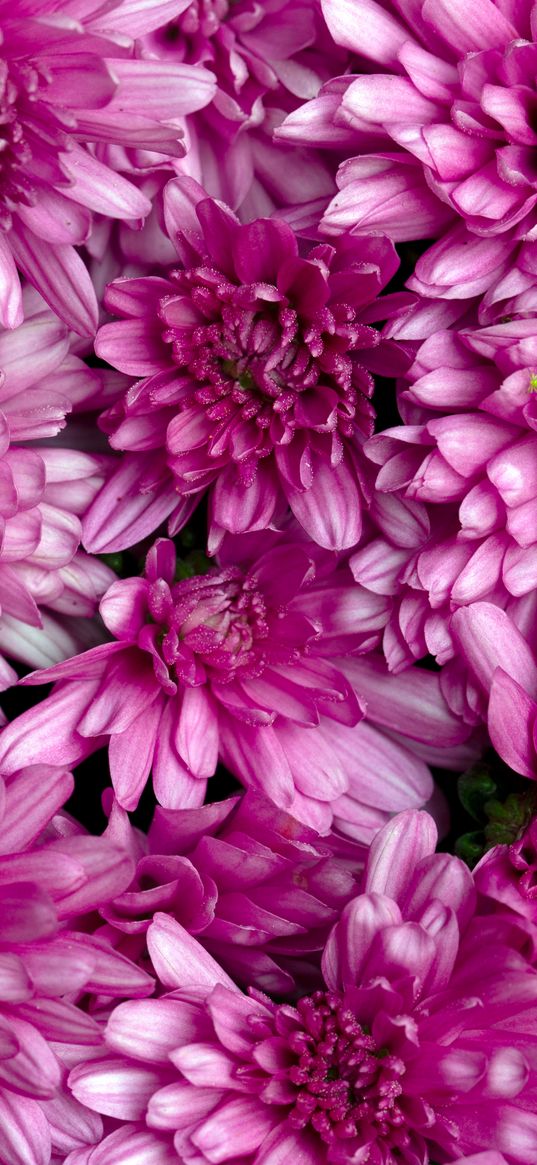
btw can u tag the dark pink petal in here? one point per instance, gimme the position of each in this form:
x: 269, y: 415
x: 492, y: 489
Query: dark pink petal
x: 490, y: 640
x: 395, y: 852
x: 162, y: 89
x: 56, y: 220
x: 411, y: 703
x: 251, y: 752
x: 177, y: 1106
x: 122, y: 515
x: 283, y: 1146
x: 131, y: 345
x: 485, y: 27
x: 238, y: 508
x: 100, y: 188
x: 149, y: 1029
x: 131, y: 754
x: 28, y: 738
x: 32, y: 798
x: 261, y: 248
x: 34, y: 1071
x: 366, y: 28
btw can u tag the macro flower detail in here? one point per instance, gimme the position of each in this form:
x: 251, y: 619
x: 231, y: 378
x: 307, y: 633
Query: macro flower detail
x: 48, y: 585
x: 49, y: 882
x: 452, y: 103
x: 192, y: 657
x: 455, y: 493
x: 437, y: 136
x: 63, y: 87
x: 257, y: 374
x: 258, y: 889
x: 410, y: 1052
x: 265, y: 59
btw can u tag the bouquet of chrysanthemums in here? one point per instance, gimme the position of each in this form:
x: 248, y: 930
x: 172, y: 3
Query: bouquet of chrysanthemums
x: 268, y: 535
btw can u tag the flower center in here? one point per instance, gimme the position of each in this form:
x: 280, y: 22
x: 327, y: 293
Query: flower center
x: 258, y: 370
x: 347, y: 1086
x: 211, y: 626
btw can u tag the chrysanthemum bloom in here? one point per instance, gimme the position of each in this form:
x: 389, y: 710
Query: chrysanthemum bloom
x: 48, y: 587
x: 468, y: 451
x: 260, y: 890
x: 66, y: 85
x: 441, y: 132
x: 48, y: 882
x: 256, y: 369
x: 419, y: 1047
x: 265, y: 59
x: 246, y: 662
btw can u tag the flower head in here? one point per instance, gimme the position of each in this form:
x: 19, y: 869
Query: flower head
x: 438, y: 135
x: 257, y: 374
x: 265, y: 59
x: 64, y: 85
x: 415, y: 1048
x: 456, y: 492
x: 246, y: 662
x: 258, y: 889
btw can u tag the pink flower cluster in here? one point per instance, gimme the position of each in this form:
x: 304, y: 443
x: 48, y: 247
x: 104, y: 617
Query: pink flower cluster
x: 268, y: 526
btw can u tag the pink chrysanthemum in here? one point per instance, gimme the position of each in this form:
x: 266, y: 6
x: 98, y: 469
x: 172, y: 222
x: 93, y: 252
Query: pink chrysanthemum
x: 48, y: 963
x: 48, y: 586
x: 441, y: 129
x: 458, y: 517
x: 265, y: 58
x: 419, y: 1047
x: 68, y: 87
x: 258, y: 889
x: 257, y: 377
x: 246, y: 662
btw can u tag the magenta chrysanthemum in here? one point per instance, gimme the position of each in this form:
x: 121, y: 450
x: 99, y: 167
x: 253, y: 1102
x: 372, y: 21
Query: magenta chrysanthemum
x: 265, y: 58
x: 455, y: 500
x: 246, y: 662
x: 258, y: 889
x: 442, y: 132
x: 257, y: 377
x: 65, y: 83
x: 418, y: 1048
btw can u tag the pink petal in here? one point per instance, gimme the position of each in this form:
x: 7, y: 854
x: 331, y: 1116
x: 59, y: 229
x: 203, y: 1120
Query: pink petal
x: 11, y: 310
x: 24, y: 1131
x: 180, y: 961
x: 114, y: 1087
x: 62, y: 278
x: 510, y: 718
x: 366, y: 28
